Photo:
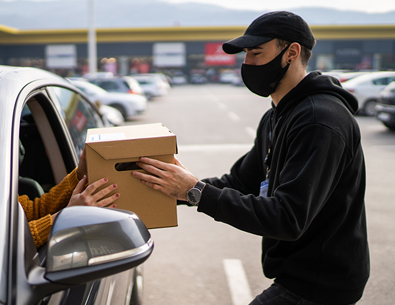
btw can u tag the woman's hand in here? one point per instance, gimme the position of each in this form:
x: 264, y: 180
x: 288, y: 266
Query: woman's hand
x: 89, y: 197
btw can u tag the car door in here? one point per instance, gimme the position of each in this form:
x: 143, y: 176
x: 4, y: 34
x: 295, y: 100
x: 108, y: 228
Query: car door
x: 52, y: 131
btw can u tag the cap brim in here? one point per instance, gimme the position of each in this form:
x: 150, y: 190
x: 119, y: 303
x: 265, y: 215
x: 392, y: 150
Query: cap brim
x: 246, y: 41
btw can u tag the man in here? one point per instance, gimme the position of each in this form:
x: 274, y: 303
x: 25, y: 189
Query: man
x: 302, y: 185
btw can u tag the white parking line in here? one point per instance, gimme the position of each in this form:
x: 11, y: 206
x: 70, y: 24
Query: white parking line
x: 237, y: 281
x: 222, y: 106
x: 251, y: 131
x: 233, y: 116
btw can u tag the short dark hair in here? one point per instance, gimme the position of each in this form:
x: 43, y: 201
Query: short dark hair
x: 305, y: 53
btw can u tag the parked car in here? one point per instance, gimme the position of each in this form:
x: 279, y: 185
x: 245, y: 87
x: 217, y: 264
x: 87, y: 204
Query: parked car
x: 93, y: 253
x: 122, y: 84
x: 198, y: 78
x: 335, y: 73
x: 113, y: 116
x: 166, y: 78
x: 129, y: 105
x: 385, y: 108
x: 367, y: 87
x: 343, y: 77
x: 153, y: 84
x: 238, y: 81
x: 228, y: 76
x: 179, y: 78
x: 98, y: 75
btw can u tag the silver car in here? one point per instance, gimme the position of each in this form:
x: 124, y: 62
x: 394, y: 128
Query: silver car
x: 129, y: 105
x: 92, y: 255
x: 153, y: 84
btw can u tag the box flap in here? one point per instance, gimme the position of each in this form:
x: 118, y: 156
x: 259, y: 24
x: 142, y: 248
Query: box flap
x: 132, y: 141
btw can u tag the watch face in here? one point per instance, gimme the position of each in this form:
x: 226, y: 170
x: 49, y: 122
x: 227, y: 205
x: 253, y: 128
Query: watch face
x: 194, y: 196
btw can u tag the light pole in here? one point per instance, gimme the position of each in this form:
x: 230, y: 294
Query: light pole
x: 92, y: 48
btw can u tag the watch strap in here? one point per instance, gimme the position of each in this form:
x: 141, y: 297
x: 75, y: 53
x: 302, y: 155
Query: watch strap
x: 200, y: 185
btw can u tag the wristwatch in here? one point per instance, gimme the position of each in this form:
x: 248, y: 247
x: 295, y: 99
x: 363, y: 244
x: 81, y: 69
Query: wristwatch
x: 195, y: 193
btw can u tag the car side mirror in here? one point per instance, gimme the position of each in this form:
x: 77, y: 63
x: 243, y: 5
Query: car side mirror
x: 88, y: 243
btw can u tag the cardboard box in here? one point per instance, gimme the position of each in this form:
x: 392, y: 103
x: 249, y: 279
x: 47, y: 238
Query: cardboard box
x: 112, y: 152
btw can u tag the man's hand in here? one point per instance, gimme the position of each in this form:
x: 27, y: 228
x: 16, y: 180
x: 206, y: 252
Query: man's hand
x: 173, y: 180
x: 82, y: 168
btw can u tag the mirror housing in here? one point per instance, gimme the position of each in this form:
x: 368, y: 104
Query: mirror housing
x: 87, y: 243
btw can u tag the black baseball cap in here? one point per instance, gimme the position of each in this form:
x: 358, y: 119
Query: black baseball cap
x: 280, y: 24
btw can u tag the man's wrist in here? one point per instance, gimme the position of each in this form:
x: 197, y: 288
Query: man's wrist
x: 195, y: 193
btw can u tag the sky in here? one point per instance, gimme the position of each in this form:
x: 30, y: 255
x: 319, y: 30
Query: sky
x: 370, y: 6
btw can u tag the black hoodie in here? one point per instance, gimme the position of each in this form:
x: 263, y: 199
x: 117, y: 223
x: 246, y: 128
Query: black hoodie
x: 313, y: 219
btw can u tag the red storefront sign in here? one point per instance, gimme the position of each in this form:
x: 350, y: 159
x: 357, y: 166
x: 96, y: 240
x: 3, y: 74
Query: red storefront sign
x: 79, y: 120
x: 215, y: 56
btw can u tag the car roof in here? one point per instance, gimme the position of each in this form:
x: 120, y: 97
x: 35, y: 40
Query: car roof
x: 14, y: 79
x: 391, y: 85
x: 369, y: 76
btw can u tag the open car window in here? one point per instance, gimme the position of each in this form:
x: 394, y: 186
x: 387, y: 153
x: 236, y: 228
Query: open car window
x: 44, y: 152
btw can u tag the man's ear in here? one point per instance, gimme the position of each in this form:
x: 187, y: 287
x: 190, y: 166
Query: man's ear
x: 293, y: 52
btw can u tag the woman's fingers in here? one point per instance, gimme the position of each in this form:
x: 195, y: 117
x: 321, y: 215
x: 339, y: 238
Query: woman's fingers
x: 80, y: 186
x: 104, y: 192
x: 91, y: 196
x: 107, y: 201
x: 91, y: 188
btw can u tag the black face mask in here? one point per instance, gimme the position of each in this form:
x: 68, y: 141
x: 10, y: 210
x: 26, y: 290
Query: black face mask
x: 264, y: 79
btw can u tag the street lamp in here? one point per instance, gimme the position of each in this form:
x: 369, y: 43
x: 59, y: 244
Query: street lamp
x: 92, y: 48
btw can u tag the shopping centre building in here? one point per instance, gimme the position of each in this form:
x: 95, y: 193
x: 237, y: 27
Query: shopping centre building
x: 131, y: 50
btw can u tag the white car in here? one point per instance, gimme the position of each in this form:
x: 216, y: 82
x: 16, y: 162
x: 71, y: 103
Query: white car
x: 113, y: 116
x: 228, y: 76
x: 367, y: 88
x: 128, y: 104
x: 153, y: 84
x: 179, y: 78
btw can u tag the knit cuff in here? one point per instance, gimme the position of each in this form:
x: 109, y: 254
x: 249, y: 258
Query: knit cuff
x: 73, y: 179
x: 41, y: 229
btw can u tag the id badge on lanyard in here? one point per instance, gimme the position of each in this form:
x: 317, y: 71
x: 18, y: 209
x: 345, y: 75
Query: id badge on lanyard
x: 264, y: 188
x: 268, y: 160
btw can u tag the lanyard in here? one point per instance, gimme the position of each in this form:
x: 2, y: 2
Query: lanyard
x: 268, y: 158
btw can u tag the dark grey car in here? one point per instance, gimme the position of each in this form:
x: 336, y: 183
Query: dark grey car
x: 385, y: 108
x: 92, y: 253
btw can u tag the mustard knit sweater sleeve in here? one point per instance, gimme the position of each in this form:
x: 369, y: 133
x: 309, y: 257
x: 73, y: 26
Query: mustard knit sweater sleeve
x: 39, y: 210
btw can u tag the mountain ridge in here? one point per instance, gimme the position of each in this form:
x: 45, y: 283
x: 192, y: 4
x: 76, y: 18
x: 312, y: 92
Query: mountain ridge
x: 70, y: 14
